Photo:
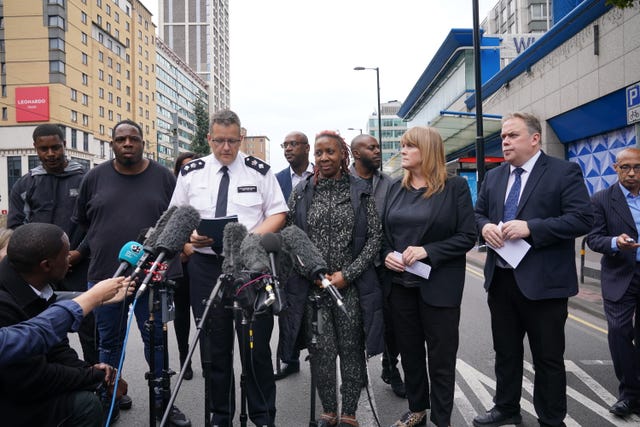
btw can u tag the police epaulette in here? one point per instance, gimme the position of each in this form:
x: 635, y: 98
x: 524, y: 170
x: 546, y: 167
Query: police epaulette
x: 191, y: 166
x: 257, y: 164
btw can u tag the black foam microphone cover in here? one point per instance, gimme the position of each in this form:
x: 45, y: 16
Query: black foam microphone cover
x: 254, y: 256
x: 178, y: 229
x: 308, y: 260
x: 151, y: 240
x: 232, y: 237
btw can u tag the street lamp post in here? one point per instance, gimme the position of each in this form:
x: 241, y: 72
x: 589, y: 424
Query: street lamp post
x: 356, y: 129
x: 379, y: 113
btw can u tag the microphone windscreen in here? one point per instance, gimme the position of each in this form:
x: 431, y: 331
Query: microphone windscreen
x: 152, y: 239
x: 232, y: 237
x: 253, y: 255
x: 130, y: 253
x: 307, y: 259
x: 178, y: 229
x: 271, y: 242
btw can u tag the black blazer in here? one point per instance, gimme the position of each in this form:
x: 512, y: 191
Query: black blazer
x: 284, y: 179
x: 612, y: 218
x: 555, y: 204
x: 448, y: 232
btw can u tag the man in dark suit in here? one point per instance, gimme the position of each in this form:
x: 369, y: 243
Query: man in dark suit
x: 615, y: 235
x: 296, y: 151
x: 549, y: 212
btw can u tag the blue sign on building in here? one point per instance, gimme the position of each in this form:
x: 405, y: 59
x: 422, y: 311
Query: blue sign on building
x: 633, y: 103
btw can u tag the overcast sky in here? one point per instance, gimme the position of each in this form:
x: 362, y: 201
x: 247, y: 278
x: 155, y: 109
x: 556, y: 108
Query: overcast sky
x: 292, y: 60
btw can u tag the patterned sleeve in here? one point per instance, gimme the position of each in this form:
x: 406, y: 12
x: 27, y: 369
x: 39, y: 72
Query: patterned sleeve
x: 371, y: 248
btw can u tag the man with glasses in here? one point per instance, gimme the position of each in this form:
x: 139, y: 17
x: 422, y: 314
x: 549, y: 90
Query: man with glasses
x: 615, y: 235
x: 296, y: 151
x: 222, y: 184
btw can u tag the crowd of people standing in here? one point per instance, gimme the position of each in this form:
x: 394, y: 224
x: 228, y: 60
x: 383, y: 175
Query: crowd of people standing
x: 371, y: 230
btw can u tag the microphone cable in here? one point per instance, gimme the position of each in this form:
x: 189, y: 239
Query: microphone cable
x: 132, y: 308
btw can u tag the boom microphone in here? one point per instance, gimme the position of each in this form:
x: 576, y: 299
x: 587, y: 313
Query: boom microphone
x: 151, y: 238
x: 309, y: 260
x: 255, y: 259
x: 129, y: 255
x: 176, y: 233
x: 272, y: 243
x: 232, y: 237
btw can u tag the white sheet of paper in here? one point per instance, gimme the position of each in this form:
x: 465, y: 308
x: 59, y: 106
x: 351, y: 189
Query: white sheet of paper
x: 418, y: 268
x: 513, y: 250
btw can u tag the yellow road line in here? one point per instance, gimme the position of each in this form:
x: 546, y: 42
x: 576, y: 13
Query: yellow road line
x: 588, y: 324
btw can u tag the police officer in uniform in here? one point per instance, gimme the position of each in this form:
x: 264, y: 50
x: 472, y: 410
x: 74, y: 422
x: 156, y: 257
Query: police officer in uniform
x: 253, y: 194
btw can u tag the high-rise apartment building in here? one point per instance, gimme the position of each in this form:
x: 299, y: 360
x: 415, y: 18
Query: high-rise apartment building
x: 84, y: 64
x: 392, y: 128
x: 198, y: 32
x: 178, y: 89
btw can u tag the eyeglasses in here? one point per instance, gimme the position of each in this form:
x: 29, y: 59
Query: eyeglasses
x: 293, y: 144
x: 627, y: 168
x: 221, y: 141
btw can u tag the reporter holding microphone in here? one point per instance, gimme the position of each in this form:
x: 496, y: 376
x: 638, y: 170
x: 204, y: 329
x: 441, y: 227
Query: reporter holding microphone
x: 338, y: 214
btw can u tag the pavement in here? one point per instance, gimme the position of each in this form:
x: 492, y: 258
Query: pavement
x: 589, y: 297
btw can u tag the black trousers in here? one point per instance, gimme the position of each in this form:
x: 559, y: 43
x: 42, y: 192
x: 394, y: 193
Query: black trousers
x: 415, y: 323
x: 513, y: 316
x: 182, y: 321
x: 623, y: 339
x: 216, y: 350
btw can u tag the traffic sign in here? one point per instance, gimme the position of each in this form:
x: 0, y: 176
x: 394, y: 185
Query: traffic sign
x: 633, y: 103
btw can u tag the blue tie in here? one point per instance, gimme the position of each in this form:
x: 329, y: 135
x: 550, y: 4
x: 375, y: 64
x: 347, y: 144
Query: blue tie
x: 511, y: 205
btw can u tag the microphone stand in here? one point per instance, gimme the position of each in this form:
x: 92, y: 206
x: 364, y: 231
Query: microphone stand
x: 150, y: 375
x: 315, y: 330
x: 192, y: 347
x: 244, y: 321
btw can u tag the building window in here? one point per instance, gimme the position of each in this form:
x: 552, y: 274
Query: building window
x: 85, y: 59
x: 85, y: 79
x: 110, y: 113
x: 99, y: 3
x: 116, y: 16
x: 538, y: 11
x: 102, y: 144
x: 101, y: 111
x: 4, y: 91
x: 118, y: 84
x: 101, y: 75
x: 118, y: 101
x: 85, y: 141
x: 110, y: 97
x: 108, y: 10
x: 109, y: 62
x: 101, y: 93
x: 85, y: 120
x: 83, y: 18
x: 74, y: 116
x: 74, y: 139
x: 100, y: 56
x: 56, y: 67
x: 14, y: 170
x: 128, y: 107
x: 118, y: 67
x: 99, y: 20
x: 56, y: 44
x: 110, y: 80
x: 5, y: 113
x: 85, y: 99
x: 56, y: 21
x: 101, y: 129
x: 74, y: 95
x: 84, y: 38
